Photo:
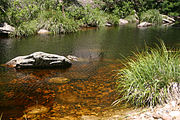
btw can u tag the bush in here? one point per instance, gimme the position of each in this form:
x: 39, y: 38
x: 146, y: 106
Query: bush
x: 113, y: 19
x: 56, y: 22
x: 147, y: 79
x: 88, y: 15
x: 132, y: 18
x: 152, y: 16
x: 26, y: 29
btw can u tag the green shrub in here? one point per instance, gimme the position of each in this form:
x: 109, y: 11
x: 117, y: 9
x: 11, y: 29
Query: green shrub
x: 147, y: 79
x: 94, y: 17
x: 132, y: 18
x: 20, y: 12
x: 26, y: 29
x: 56, y: 22
x: 113, y: 19
x: 152, y: 16
x: 88, y: 15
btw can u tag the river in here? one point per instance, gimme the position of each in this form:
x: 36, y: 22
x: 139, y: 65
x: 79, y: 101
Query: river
x: 91, y: 86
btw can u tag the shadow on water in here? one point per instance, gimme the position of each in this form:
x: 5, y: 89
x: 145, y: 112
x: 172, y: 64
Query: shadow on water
x: 90, y: 87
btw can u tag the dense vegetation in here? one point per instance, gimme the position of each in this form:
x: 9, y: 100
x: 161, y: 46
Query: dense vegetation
x: 28, y: 16
x: 150, y: 78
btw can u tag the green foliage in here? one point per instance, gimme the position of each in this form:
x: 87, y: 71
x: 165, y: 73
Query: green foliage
x: 20, y: 13
x: 113, y: 19
x: 3, y: 6
x: 56, y: 22
x: 132, y: 18
x: 68, y: 16
x: 26, y: 29
x: 152, y: 16
x: 94, y: 17
x: 121, y: 8
x: 170, y: 7
x: 88, y: 15
x: 146, y: 79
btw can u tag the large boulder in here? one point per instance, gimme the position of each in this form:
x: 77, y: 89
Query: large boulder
x: 40, y: 60
x: 6, y: 29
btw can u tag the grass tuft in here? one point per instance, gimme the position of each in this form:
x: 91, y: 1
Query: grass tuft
x: 151, y: 78
x: 152, y: 16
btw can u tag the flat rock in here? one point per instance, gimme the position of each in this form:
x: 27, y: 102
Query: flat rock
x: 43, y: 31
x: 37, y: 109
x: 58, y: 80
x: 145, y: 24
x: 40, y: 60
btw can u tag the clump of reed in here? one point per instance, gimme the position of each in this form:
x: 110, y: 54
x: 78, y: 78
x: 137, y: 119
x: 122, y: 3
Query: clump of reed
x: 151, y: 78
x: 152, y: 16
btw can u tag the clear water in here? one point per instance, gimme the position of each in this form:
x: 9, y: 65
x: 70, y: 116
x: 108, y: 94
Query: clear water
x: 91, y: 87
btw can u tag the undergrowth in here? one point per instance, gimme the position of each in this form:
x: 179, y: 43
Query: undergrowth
x: 152, y: 16
x: 148, y: 79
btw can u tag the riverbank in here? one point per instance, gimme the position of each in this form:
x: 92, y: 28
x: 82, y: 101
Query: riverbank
x: 59, y: 17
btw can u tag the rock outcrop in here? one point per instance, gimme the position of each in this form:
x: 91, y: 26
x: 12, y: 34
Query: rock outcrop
x: 40, y: 60
x: 6, y: 29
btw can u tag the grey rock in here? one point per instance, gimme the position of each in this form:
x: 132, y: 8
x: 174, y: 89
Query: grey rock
x: 6, y: 29
x: 167, y: 19
x: 39, y: 60
x: 43, y: 31
x: 122, y: 21
x: 145, y: 24
x: 108, y: 25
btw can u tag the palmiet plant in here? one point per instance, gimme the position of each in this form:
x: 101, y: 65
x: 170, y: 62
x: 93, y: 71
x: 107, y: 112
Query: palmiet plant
x: 152, y: 16
x: 150, y: 78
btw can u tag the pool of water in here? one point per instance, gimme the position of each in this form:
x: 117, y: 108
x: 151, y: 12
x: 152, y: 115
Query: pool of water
x: 91, y: 86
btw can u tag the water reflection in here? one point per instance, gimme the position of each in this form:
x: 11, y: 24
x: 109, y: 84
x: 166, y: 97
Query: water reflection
x: 90, y: 90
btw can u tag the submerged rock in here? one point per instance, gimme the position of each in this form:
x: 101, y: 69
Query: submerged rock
x: 145, y: 24
x: 73, y: 58
x: 58, y: 80
x: 36, y: 109
x: 39, y: 60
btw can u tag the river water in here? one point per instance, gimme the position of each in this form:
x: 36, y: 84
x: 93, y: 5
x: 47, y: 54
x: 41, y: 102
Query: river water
x: 91, y: 86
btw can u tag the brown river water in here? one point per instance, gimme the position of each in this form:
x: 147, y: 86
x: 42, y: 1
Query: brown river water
x: 90, y: 89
